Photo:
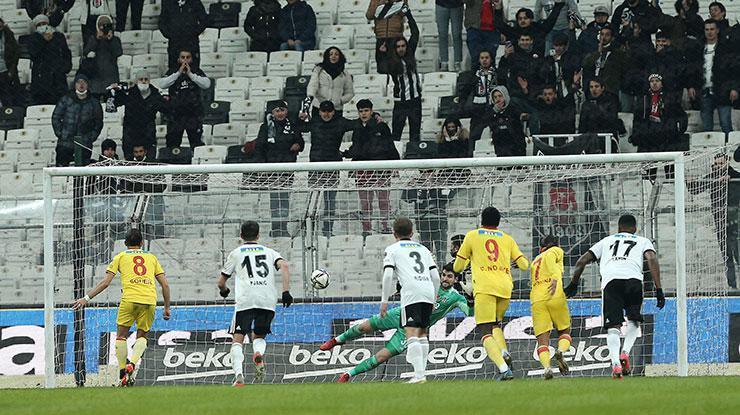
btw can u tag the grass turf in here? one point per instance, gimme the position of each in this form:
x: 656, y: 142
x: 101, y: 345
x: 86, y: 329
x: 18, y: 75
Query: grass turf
x: 709, y: 395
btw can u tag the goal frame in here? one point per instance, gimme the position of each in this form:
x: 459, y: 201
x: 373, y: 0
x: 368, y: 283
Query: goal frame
x: 677, y: 158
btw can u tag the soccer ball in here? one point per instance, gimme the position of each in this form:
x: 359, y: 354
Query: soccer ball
x: 319, y: 279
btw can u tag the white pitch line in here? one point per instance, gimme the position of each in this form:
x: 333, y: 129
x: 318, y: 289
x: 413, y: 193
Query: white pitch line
x: 195, y: 375
x: 572, y: 368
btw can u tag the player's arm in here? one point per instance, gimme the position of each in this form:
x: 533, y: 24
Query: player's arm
x: 102, y: 285
x: 463, y: 256
x: 520, y: 260
x: 387, y: 287
x: 284, y: 268
x: 162, y: 280
x: 652, y: 262
x: 584, y: 260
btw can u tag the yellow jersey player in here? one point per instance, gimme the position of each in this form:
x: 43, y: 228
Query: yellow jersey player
x: 491, y: 253
x: 138, y: 269
x: 549, y: 306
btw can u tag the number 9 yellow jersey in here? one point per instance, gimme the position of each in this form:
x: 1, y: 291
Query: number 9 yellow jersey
x: 138, y: 269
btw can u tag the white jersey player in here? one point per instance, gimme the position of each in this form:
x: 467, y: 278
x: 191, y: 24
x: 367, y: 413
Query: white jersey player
x: 621, y: 259
x: 412, y: 264
x: 255, y: 266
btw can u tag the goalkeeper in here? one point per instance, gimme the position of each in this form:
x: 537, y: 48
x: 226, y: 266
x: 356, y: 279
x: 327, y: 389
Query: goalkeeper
x: 447, y: 300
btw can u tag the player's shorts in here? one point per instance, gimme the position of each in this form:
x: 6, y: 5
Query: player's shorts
x: 489, y: 308
x: 546, y: 314
x: 397, y: 343
x: 141, y: 314
x: 255, y: 320
x: 621, y: 297
x: 416, y: 315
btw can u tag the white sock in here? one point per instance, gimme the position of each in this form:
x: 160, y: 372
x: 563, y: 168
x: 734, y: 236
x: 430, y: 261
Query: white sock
x: 414, y: 355
x: 630, y: 336
x: 612, y: 341
x: 424, y: 352
x: 237, y: 358
x: 259, y: 346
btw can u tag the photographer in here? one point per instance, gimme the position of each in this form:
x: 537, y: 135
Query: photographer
x: 51, y: 60
x: 93, y: 10
x: 100, y: 57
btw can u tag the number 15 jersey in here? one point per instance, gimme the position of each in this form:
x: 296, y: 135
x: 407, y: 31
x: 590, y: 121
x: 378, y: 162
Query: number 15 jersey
x: 255, y: 266
x: 621, y: 256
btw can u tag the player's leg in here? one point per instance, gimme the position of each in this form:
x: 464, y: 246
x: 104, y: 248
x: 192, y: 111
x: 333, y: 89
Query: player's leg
x: 502, y: 304
x: 425, y: 317
x: 144, y: 320
x: 238, y: 329
x: 393, y: 347
x: 485, y: 318
x: 124, y: 320
x: 612, y: 309
x: 633, y: 309
x: 350, y: 334
x: 262, y: 325
x: 560, y: 317
x: 542, y: 327
x: 411, y: 322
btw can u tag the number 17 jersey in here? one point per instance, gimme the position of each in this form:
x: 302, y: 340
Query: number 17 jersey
x: 255, y: 266
x: 621, y: 256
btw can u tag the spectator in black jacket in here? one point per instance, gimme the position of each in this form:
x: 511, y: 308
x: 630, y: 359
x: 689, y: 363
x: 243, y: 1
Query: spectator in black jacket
x: 506, y: 125
x: 600, y: 112
x: 520, y: 70
x: 608, y: 63
x: 718, y: 13
x: 561, y: 67
x: 101, y: 54
x: 137, y: 8
x: 327, y: 131
x: 297, y: 26
x: 142, y: 102
x: 588, y: 40
x: 8, y: 66
x: 686, y: 27
x: 525, y: 24
x: 667, y: 61
x: 659, y: 120
x: 186, y: 105
x: 453, y: 140
x: 77, y: 121
x: 261, y: 24
x: 51, y: 60
x: 478, y: 102
x: 54, y: 9
x: 278, y: 141
x: 632, y: 12
x: 372, y: 140
x: 181, y: 22
x: 556, y: 115
x: 639, y: 50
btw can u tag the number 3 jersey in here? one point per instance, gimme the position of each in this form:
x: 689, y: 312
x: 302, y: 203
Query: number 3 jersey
x: 255, y: 266
x: 138, y: 270
x: 621, y: 256
x: 412, y: 264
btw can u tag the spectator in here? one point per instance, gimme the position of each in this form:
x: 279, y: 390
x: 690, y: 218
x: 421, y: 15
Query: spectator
x: 525, y: 24
x: 639, y: 50
x: 632, y: 12
x: 327, y: 130
x: 142, y: 103
x: 520, y: 71
x: 480, y: 28
x: 51, y: 60
x: 297, y: 26
x: 600, y: 112
x: 278, y: 141
x: 54, y: 9
x: 608, y: 63
x: 453, y: 140
x: 93, y: 10
x: 716, y: 85
x: 561, y: 67
x: 718, y: 13
x: 104, y: 185
x: 372, y: 140
x: 261, y: 24
x: 449, y: 15
x: 329, y: 81
x: 400, y: 64
x: 568, y: 14
x: 185, y: 102
x: 506, y: 125
x: 430, y: 207
x: 137, y: 8
x: 102, y: 52
x: 668, y: 62
x: 77, y: 121
x: 387, y: 18
x: 478, y: 103
x: 556, y: 115
x: 686, y: 24
x: 181, y: 22
x: 9, y: 56
x: 588, y: 40
x: 155, y: 213
x: 108, y: 150
x: 659, y: 121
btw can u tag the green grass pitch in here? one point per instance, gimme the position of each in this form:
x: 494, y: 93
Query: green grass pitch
x: 599, y: 396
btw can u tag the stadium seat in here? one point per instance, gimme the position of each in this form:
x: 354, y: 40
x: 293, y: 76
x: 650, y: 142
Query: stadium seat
x: 365, y: 38
x: 25, y: 139
x: 247, y: 111
x: 16, y: 184
x: 371, y: 84
x: 228, y: 134
x: 341, y: 36
x: 429, y: 36
x: 357, y: 60
x: 216, y: 112
x: 249, y: 64
x: 170, y: 248
x: 8, y: 161
x: 135, y: 42
x: 423, y: 11
x: 223, y: 14
x: 310, y: 59
x: 286, y: 56
x: 253, y: 129
x: 150, y: 17
x: 124, y: 66
x: 439, y: 84
x: 159, y: 43
x: 232, y: 89
x: 430, y: 127
x: 232, y: 40
x: 18, y: 21
x: 38, y: 115
x: 284, y: 69
x: 208, y: 40
x: 266, y: 88
x: 326, y: 12
x: 353, y: 12
x: 11, y: 118
x: 707, y: 140
x: 152, y: 63
x: 24, y: 71
x: 212, y: 154
x: 426, y: 58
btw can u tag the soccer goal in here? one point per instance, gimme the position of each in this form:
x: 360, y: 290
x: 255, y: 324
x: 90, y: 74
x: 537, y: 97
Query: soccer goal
x: 336, y: 216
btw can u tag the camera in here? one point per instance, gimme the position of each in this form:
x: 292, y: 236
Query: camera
x: 577, y: 20
x: 107, y: 28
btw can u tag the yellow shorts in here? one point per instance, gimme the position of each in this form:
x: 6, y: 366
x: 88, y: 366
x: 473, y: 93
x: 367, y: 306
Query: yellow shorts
x: 489, y: 308
x: 545, y: 314
x: 141, y: 314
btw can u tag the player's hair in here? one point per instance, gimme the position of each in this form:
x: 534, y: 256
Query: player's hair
x: 549, y: 240
x: 627, y: 222
x: 403, y: 227
x: 449, y: 267
x: 250, y: 230
x: 133, y: 238
x: 490, y: 217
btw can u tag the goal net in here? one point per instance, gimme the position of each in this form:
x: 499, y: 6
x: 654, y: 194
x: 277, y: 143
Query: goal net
x: 336, y: 216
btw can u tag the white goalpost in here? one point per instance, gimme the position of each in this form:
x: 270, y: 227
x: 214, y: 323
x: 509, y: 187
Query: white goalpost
x: 335, y: 216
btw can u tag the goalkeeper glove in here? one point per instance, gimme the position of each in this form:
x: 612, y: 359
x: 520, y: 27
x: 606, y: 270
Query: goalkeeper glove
x: 660, y: 297
x: 287, y: 299
x: 224, y: 292
x: 571, y: 289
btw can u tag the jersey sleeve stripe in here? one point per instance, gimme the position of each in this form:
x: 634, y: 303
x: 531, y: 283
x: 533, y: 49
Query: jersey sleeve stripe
x: 157, y: 275
x: 432, y: 267
x: 389, y: 266
x: 515, y: 259
x: 277, y: 268
x: 462, y: 257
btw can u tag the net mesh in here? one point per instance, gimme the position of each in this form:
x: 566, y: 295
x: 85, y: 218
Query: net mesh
x: 338, y: 221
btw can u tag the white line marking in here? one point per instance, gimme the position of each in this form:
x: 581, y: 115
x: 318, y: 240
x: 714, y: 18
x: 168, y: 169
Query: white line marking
x: 195, y: 375
x: 572, y: 368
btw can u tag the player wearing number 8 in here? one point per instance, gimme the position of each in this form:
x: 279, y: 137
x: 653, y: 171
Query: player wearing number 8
x: 491, y: 253
x: 139, y: 269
